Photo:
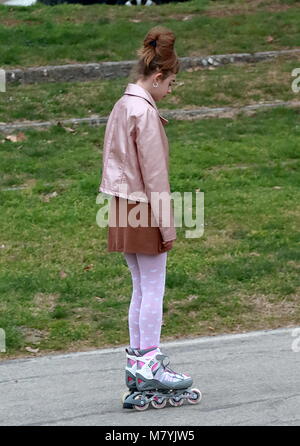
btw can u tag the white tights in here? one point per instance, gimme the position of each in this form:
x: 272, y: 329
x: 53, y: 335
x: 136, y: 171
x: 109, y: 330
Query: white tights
x: 148, y: 274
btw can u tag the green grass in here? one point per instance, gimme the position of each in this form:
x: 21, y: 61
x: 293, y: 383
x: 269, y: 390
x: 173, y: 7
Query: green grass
x: 42, y: 35
x: 228, y: 85
x: 62, y: 291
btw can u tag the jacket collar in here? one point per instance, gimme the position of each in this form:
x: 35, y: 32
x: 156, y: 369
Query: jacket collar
x: 137, y: 90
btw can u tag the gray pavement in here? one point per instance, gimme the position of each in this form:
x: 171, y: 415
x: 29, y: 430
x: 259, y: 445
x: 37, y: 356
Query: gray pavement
x: 246, y: 379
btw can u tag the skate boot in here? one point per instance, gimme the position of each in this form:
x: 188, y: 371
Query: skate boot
x: 157, y: 383
x: 130, y: 372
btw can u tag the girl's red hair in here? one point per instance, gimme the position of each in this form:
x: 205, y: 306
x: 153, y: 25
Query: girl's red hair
x: 157, y: 54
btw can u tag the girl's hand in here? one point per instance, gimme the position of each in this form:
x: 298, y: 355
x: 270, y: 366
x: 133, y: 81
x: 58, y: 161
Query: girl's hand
x: 168, y: 244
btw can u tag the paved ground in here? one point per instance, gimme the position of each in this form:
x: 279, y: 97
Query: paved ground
x: 246, y: 379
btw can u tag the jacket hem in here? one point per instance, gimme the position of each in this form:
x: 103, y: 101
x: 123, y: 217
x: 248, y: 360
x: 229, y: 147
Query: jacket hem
x: 120, y: 194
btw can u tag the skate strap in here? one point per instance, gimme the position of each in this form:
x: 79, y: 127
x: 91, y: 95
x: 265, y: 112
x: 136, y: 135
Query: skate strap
x: 147, y: 350
x: 136, y: 352
x: 164, y: 359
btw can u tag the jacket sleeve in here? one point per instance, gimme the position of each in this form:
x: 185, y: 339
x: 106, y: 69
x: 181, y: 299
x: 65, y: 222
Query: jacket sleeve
x: 152, y: 152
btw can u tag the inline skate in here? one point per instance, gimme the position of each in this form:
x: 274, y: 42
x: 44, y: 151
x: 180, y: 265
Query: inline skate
x: 157, y: 384
x: 130, y: 375
x: 130, y: 372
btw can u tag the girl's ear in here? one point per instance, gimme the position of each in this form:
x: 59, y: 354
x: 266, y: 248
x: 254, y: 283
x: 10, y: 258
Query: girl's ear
x: 158, y: 77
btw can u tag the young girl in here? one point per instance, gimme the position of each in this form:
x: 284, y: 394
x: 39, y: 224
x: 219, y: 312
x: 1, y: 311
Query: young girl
x: 136, y: 155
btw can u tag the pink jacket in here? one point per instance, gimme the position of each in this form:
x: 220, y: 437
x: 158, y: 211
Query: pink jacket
x: 136, y: 153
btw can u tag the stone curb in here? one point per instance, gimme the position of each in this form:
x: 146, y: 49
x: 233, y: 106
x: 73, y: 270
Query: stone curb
x: 180, y: 114
x: 111, y: 70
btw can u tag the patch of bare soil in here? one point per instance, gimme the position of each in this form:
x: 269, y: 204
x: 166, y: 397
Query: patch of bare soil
x: 250, y: 7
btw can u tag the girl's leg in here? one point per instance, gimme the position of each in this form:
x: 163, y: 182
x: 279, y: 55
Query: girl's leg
x: 136, y: 299
x: 152, y: 270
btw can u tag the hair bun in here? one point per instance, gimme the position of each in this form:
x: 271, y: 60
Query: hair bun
x: 157, y: 52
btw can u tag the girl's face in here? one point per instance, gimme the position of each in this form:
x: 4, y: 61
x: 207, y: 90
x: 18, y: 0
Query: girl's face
x: 164, y: 86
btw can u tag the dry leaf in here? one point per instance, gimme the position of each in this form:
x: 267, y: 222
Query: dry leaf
x: 46, y: 198
x: 194, y: 69
x: 32, y: 350
x: 192, y: 297
x: 254, y: 254
x: 16, y: 138
x: 68, y: 129
x: 99, y: 299
x: 53, y: 194
x: 86, y: 268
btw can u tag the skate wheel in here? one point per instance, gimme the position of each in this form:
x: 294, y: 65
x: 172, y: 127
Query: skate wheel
x: 143, y: 407
x: 159, y: 403
x: 196, y: 398
x: 176, y: 402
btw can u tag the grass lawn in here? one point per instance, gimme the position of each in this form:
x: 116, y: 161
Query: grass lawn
x: 51, y: 35
x: 61, y: 291
x: 228, y: 85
